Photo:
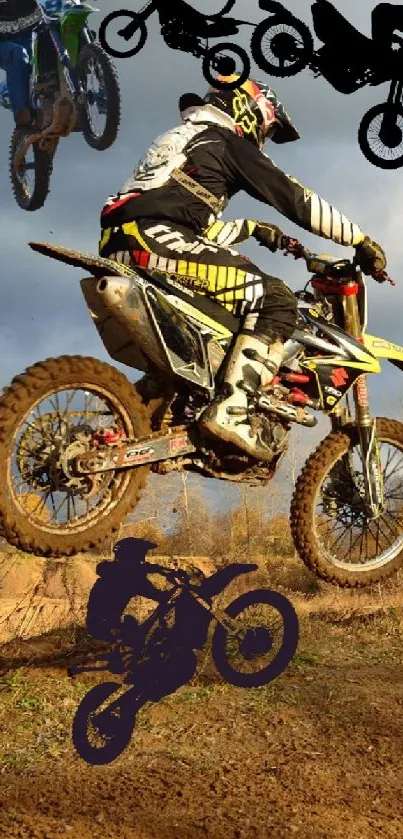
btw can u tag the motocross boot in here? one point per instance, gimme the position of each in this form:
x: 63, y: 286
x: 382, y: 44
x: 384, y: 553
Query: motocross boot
x: 227, y: 416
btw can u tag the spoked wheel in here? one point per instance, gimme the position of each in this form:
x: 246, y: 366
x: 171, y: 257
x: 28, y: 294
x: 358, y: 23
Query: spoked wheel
x: 100, y: 736
x: 134, y: 31
x: 100, y: 112
x: 220, y: 61
x: 31, y: 181
x: 380, y: 136
x: 280, y: 47
x: 332, y: 532
x: 48, y: 416
x: 264, y: 642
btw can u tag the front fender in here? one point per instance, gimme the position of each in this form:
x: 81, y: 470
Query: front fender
x: 382, y: 348
x: 221, y: 579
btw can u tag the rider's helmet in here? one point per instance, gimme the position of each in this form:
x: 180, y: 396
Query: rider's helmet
x: 254, y: 107
x: 133, y: 550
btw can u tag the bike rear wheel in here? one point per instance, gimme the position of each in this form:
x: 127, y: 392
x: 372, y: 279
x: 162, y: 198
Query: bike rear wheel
x: 47, y: 416
x: 136, y: 29
x: 221, y: 58
x: 30, y: 194
x: 100, y: 737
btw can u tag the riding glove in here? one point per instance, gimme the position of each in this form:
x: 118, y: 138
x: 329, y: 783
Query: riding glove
x: 371, y: 257
x: 268, y: 235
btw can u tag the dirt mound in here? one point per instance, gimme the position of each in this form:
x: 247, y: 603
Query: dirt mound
x: 38, y: 595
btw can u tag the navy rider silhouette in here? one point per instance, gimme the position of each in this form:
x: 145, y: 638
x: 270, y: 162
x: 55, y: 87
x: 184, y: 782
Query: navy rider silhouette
x: 171, y: 660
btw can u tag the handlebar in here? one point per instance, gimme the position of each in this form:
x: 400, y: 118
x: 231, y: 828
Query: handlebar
x: 382, y: 277
x: 299, y: 251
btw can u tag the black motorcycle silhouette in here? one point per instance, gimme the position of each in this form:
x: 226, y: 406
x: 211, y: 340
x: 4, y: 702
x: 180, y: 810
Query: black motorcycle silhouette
x: 157, y: 656
x: 184, y: 28
x: 283, y: 46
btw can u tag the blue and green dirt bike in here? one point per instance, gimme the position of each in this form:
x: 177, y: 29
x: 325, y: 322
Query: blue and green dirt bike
x: 80, y: 93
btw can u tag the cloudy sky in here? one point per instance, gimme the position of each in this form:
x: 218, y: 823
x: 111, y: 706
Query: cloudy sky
x: 42, y: 312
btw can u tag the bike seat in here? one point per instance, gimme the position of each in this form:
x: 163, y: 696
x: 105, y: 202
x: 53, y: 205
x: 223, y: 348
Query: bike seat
x: 221, y: 28
x: 204, y: 304
x: 102, y: 267
x: 329, y: 24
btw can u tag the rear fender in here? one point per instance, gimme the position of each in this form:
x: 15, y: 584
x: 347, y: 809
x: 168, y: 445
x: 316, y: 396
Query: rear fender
x: 217, y: 582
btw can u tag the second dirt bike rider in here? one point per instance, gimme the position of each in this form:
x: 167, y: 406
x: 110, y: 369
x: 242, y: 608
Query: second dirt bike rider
x: 17, y: 20
x: 166, y: 218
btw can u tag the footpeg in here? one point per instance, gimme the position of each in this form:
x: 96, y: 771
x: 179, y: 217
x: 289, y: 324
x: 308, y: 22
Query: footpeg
x: 253, y: 355
x: 291, y: 413
x: 236, y: 412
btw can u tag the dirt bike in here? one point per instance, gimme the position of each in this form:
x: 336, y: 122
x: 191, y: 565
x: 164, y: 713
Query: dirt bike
x: 64, y: 101
x: 186, y: 29
x: 81, y: 439
x: 283, y: 46
x: 157, y: 656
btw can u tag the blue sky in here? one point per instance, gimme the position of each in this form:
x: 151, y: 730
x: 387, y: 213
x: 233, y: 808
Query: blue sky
x: 42, y: 312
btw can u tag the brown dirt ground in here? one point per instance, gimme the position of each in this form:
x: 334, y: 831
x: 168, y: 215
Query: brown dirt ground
x: 316, y: 754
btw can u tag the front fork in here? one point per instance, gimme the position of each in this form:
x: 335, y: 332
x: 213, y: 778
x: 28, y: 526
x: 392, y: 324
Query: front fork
x: 365, y: 423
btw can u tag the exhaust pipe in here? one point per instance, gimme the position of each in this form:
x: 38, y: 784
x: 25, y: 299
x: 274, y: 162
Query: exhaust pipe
x: 113, y: 290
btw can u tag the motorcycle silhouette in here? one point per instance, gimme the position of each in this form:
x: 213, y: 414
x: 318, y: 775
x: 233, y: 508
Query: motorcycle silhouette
x: 283, y: 46
x: 184, y: 28
x: 157, y: 656
x: 85, y: 82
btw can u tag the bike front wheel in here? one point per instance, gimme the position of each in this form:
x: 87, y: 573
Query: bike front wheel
x: 282, y: 47
x: 264, y: 640
x: 380, y: 136
x: 332, y: 532
x: 100, y: 111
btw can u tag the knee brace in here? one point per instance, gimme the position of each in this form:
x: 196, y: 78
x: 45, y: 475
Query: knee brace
x: 278, y: 312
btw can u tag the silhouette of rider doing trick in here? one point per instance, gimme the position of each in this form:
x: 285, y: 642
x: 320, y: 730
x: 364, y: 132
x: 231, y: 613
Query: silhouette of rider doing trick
x: 385, y: 19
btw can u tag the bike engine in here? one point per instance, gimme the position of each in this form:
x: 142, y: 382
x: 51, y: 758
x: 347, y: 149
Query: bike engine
x: 177, y: 38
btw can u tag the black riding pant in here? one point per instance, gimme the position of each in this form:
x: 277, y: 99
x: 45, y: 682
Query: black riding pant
x: 220, y: 273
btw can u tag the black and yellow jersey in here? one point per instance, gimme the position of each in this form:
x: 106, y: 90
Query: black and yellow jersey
x: 224, y: 163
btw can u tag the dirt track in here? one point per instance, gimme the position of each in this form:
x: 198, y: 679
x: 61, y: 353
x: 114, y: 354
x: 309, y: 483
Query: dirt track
x: 316, y: 754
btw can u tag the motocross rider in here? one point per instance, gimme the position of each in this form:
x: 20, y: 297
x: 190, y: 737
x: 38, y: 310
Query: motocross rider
x: 17, y: 20
x: 166, y: 217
